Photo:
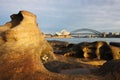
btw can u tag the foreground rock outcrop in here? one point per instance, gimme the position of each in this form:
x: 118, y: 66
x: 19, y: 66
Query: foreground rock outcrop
x: 23, y: 49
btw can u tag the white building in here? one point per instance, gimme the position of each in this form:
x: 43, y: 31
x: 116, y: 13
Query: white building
x: 63, y: 32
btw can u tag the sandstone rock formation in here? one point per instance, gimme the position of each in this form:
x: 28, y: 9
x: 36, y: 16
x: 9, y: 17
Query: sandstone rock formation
x: 76, y: 50
x: 115, y: 52
x: 87, y: 50
x: 59, y: 47
x: 23, y: 49
x: 117, y: 44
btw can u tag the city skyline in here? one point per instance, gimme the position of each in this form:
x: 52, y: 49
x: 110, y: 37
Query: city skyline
x: 55, y: 15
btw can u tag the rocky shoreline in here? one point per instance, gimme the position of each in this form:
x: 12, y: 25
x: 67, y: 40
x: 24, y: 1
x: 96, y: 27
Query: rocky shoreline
x: 26, y: 55
x: 102, y: 58
x: 88, y: 50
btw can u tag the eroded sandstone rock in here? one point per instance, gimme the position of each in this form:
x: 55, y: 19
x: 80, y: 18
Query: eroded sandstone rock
x: 117, y: 44
x: 116, y: 52
x: 23, y: 49
x: 87, y: 50
x: 59, y: 47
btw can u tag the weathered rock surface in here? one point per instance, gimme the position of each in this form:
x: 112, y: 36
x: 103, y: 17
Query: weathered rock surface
x: 110, y: 70
x: 23, y: 49
x: 59, y: 47
x: 115, y: 52
x: 117, y: 44
x: 88, y: 50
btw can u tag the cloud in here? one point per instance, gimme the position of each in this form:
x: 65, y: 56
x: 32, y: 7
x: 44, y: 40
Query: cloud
x: 54, y: 15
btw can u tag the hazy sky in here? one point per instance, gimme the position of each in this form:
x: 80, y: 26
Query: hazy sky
x: 55, y: 15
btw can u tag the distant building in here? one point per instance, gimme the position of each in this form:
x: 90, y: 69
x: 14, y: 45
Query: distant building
x: 104, y: 34
x: 63, y: 34
x: 114, y: 34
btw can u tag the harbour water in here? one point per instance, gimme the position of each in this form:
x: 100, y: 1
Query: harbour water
x: 78, y: 40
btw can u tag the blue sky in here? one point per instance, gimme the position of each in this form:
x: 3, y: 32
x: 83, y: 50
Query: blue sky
x: 55, y: 15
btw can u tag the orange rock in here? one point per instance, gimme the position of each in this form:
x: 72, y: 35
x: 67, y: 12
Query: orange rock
x: 115, y: 51
x: 23, y: 49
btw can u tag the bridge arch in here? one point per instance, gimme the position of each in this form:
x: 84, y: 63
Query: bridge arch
x: 91, y: 32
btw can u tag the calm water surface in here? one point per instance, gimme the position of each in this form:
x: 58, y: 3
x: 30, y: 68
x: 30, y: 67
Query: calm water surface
x: 78, y: 40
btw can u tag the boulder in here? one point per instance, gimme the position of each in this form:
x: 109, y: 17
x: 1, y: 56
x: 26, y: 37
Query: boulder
x: 59, y: 47
x: 115, y: 52
x: 117, y: 44
x: 76, y: 50
x: 23, y: 49
x: 103, y: 50
x: 91, y: 50
x: 99, y: 50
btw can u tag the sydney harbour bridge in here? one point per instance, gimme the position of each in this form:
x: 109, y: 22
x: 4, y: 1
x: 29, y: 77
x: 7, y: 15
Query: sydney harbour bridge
x: 86, y: 33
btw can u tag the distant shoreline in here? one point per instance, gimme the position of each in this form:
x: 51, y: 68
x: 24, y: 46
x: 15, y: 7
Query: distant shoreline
x: 78, y: 40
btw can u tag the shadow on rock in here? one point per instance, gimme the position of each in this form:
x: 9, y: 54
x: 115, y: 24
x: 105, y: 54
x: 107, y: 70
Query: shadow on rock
x: 110, y: 70
x: 87, y: 50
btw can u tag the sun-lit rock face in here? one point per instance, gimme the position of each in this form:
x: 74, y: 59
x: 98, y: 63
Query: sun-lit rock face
x: 115, y: 51
x: 23, y: 49
x: 91, y: 50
